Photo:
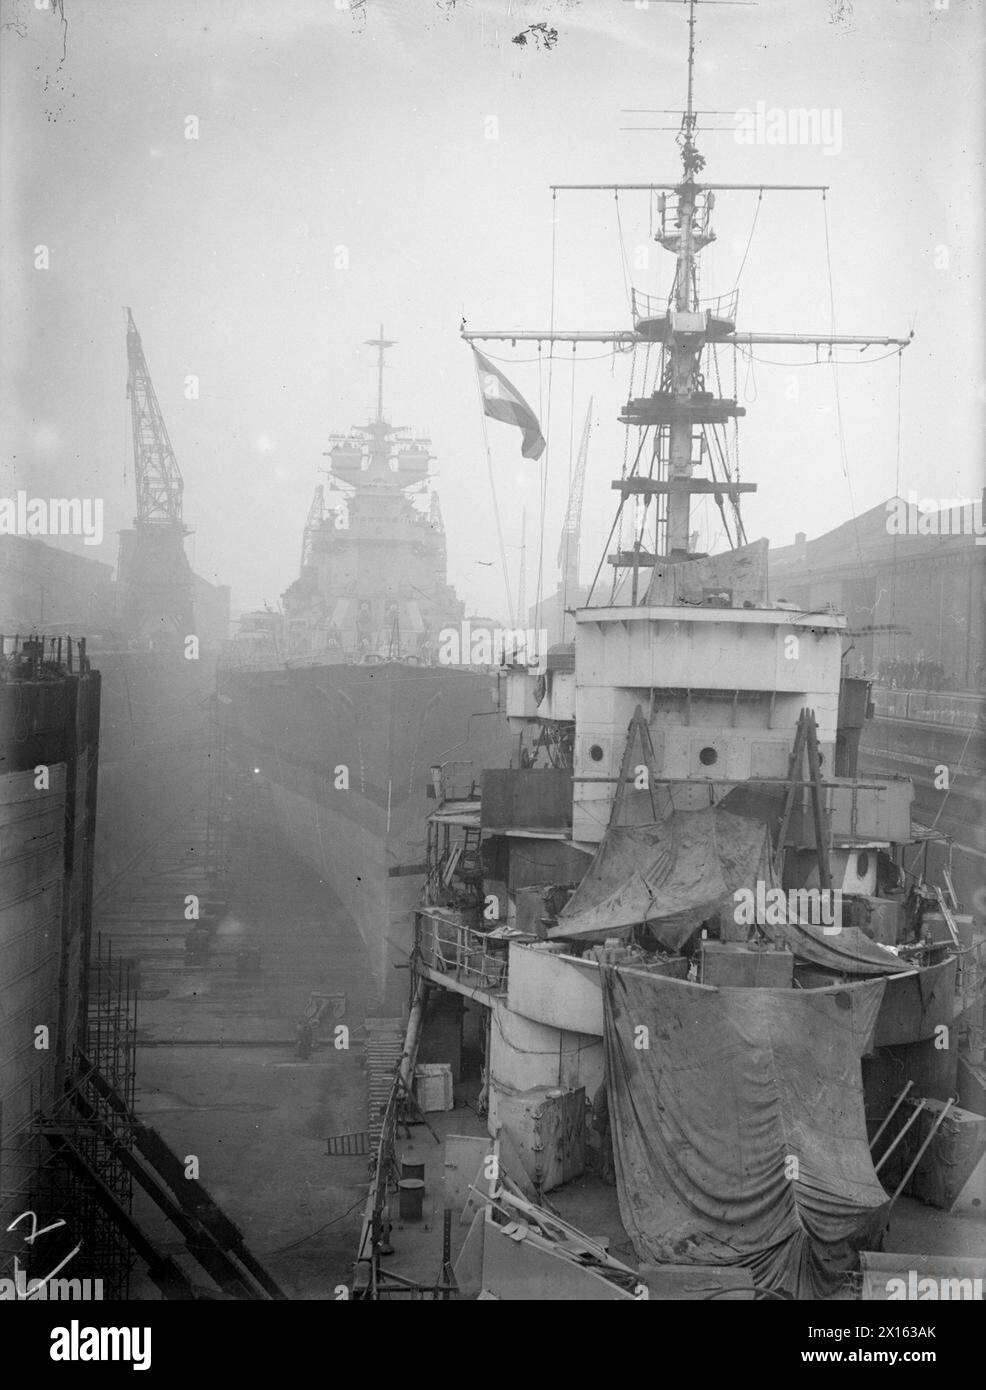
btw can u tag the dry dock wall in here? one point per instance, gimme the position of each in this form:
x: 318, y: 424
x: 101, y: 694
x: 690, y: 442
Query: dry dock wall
x: 47, y: 823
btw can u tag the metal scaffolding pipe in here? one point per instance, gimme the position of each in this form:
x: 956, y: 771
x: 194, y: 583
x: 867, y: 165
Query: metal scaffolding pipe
x: 892, y: 1112
x: 906, y: 1126
x: 920, y: 1153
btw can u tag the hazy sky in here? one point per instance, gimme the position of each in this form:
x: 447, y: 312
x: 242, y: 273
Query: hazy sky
x: 321, y: 128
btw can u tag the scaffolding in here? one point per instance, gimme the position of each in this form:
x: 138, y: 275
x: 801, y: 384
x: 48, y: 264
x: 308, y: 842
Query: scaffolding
x: 72, y: 1174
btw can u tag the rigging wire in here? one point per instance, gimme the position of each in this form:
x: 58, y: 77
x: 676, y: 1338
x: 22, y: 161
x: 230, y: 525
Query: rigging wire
x: 624, y: 263
x: 817, y: 361
x: 749, y: 242
x: 619, y: 350
x: 619, y: 513
x: 567, y: 533
x: 893, y: 559
x: 360, y: 1201
x: 722, y: 446
x: 750, y: 384
x: 838, y: 395
x: 496, y: 505
x: 736, y: 446
x: 545, y: 457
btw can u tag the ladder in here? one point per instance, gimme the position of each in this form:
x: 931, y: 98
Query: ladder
x: 384, y: 1049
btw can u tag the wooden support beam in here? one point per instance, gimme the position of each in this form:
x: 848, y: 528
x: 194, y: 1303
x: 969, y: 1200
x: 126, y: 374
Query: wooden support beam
x: 794, y: 768
x: 818, y: 810
x: 627, y: 559
x: 163, y: 1271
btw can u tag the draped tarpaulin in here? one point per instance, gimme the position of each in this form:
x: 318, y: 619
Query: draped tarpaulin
x: 739, y: 1134
x: 673, y: 874
x: 848, y: 951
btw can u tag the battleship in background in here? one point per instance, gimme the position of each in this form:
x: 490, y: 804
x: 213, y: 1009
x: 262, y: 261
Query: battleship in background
x: 342, y: 709
x: 694, y: 964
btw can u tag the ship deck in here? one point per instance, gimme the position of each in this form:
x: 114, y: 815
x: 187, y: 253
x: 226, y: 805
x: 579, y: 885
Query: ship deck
x: 587, y: 1203
x: 593, y: 1208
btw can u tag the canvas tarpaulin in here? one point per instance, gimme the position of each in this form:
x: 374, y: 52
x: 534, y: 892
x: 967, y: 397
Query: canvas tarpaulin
x: 739, y: 1133
x: 673, y: 874
x: 848, y: 950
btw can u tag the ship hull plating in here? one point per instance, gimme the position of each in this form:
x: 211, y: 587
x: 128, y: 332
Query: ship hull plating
x: 346, y: 752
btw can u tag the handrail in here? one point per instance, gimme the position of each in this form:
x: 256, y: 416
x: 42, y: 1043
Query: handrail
x: 452, y: 948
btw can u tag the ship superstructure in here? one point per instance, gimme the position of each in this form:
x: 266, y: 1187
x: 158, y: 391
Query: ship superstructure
x: 373, y: 574
x: 685, y: 947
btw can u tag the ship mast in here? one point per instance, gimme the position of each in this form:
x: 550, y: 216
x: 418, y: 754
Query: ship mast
x: 381, y: 344
x: 681, y: 410
x: 684, y: 353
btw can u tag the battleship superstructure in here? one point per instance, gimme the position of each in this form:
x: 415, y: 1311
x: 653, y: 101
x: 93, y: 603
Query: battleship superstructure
x: 373, y: 571
x: 695, y: 959
x: 342, y: 710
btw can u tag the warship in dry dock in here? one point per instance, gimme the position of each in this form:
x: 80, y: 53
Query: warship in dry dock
x: 343, y: 710
x: 699, y: 1023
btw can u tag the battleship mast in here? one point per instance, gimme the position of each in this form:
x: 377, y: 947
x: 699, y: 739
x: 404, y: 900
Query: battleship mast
x: 381, y: 344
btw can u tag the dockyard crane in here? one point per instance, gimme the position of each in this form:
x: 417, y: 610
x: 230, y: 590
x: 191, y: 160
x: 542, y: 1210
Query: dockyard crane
x: 154, y: 573
x: 568, y: 549
x: 159, y: 480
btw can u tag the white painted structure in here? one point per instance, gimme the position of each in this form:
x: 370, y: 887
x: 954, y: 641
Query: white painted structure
x: 721, y: 688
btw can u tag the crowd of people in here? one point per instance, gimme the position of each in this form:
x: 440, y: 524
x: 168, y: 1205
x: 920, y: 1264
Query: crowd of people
x: 918, y: 673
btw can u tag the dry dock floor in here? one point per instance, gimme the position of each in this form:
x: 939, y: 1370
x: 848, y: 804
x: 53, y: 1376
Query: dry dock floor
x: 217, y: 1071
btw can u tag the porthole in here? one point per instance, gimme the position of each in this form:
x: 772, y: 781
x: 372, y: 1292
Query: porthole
x: 862, y: 864
x: 708, y: 756
x: 596, y: 753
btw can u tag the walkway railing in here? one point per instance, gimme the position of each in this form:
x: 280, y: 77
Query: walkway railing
x: 650, y: 306
x: 448, y: 947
